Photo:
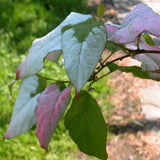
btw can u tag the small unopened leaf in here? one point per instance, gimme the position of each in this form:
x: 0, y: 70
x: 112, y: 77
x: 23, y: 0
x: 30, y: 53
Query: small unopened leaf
x: 148, y: 39
x: 51, y: 106
x: 100, y: 10
x: 86, y: 126
x: 82, y: 46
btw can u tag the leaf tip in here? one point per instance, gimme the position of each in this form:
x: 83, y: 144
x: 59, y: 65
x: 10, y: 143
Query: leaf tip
x: 45, y: 148
x: 17, y: 74
x: 42, y: 145
x: 5, y: 136
x: 77, y: 94
x: 100, y: 10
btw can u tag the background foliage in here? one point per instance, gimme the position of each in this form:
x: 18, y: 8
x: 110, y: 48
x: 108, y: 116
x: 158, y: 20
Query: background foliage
x: 21, y: 22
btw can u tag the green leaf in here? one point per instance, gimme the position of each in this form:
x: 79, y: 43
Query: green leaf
x: 10, y: 86
x: 82, y: 46
x: 148, y: 39
x: 112, y: 47
x: 41, y: 85
x: 86, y: 126
x: 61, y: 85
x: 135, y: 70
x: 100, y: 10
x: 113, y: 67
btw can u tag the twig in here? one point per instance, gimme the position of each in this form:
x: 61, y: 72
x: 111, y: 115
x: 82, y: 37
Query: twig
x: 51, y: 79
x: 108, y: 63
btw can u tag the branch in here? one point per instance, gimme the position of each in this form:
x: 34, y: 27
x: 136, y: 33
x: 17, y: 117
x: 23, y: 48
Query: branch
x: 129, y: 53
x: 142, y: 51
x: 108, y: 63
x: 117, y: 59
x: 137, y: 51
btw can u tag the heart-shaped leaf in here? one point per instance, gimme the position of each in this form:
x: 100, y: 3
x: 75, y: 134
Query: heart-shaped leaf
x: 82, y: 46
x: 86, y: 126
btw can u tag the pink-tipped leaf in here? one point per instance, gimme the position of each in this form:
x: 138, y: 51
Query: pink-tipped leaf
x: 48, y: 47
x: 140, y: 19
x: 51, y: 106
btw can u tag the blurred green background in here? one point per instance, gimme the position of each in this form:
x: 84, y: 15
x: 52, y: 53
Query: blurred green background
x: 21, y: 21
